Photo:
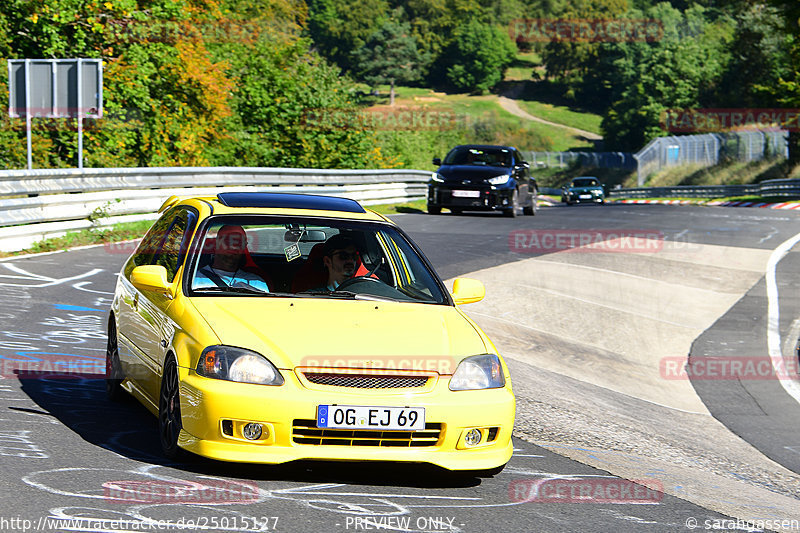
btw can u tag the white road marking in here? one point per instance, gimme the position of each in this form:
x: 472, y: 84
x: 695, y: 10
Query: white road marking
x: 774, y: 319
x: 80, y: 286
x: 47, y: 281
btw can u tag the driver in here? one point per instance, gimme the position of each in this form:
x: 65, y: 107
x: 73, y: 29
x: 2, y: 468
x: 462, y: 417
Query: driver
x: 340, y: 257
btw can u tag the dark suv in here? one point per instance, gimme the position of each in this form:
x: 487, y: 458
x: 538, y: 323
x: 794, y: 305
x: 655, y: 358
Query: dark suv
x: 479, y: 177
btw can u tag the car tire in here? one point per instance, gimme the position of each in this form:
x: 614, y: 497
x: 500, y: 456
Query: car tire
x: 434, y: 210
x: 169, y: 411
x: 512, y: 211
x: 114, y: 374
x: 530, y: 210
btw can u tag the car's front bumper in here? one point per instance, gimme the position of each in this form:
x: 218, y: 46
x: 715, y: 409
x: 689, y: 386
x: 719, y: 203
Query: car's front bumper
x: 583, y: 198
x: 483, y: 198
x: 288, y: 413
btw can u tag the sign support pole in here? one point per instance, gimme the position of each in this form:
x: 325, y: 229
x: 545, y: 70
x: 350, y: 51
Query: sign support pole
x: 28, y: 112
x: 80, y: 114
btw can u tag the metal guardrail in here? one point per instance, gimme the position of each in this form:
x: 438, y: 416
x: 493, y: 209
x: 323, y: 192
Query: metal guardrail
x: 36, y: 204
x: 769, y: 188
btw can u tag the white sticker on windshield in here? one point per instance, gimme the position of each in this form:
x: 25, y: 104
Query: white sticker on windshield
x: 292, y: 252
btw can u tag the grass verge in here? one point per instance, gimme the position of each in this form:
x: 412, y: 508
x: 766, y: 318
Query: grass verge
x: 118, y: 232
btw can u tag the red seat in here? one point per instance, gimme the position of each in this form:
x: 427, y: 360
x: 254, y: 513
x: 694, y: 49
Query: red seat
x: 313, y: 273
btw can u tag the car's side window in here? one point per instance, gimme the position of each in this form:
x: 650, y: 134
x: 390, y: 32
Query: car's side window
x: 148, y: 248
x: 165, y: 243
x: 173, y: 250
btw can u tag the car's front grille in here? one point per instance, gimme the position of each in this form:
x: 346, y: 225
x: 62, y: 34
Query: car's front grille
x: 307, y: 432
x: 363, y: 381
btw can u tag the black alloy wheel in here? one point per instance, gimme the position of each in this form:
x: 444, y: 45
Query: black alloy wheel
x: 169, y: 410
x: 114, y: 374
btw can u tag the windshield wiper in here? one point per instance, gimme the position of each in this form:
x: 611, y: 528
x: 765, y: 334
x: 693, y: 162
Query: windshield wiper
x: 336, y: 294
x: 349, y: 295
x: 239, y: 289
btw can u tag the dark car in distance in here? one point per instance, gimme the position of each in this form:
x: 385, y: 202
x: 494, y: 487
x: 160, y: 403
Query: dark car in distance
x: 479, y: 177
x: 585, y: 189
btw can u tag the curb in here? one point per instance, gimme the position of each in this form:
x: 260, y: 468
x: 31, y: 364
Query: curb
x: 713, y: 203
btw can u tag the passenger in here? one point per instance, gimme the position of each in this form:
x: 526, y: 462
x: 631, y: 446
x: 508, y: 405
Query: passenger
x: 225, y: 269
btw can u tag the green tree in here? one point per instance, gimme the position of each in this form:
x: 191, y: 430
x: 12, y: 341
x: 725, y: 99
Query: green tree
x: 477, y: 58
x: 786, y: 93
x: 339, y: 27
x: 186, y: 82
x: 680, y: 71
x: 570, y: 59
x: 390, y: 55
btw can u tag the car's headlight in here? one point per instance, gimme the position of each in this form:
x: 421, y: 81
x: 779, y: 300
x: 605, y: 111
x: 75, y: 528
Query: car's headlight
x: 499, y: 180
x: 438, y: 178
x: 237, y: 364
x: 478, y: 372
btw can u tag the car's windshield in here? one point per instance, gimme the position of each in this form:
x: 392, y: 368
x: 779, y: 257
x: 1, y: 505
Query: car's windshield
x: 494, y: 157
x: 309, y: 258
x: 584, y: 182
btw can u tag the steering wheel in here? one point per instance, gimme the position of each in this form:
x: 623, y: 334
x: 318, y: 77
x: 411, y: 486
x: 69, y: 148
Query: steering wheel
x: 352, y: 281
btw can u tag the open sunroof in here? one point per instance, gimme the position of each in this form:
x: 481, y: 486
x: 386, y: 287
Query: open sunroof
x: 289, y: 201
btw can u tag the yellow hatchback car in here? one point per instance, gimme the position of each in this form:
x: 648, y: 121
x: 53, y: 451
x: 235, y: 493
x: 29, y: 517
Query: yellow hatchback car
x: 267, y: 328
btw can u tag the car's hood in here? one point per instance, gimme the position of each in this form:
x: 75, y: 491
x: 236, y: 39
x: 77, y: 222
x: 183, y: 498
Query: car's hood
x: 471, y: 173
x: 295, y: 332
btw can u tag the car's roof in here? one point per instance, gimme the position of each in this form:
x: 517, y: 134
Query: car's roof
x: 271, y: 203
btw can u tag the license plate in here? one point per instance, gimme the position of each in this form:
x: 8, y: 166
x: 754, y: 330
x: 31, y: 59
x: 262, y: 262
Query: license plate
x: 585, y: 196
x: 369, y: 417
x: 467, y: 194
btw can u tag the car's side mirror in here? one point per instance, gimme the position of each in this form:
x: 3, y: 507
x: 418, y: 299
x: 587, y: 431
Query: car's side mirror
x: 151, y: 278
x: 437, y: 161
x: 467, y: 291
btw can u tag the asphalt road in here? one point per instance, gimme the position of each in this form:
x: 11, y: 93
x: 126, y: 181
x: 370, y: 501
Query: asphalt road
x: 71, y: 461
